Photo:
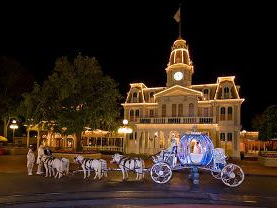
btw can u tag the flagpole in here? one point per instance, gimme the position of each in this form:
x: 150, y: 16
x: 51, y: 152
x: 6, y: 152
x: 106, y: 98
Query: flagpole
x: 180, y: 32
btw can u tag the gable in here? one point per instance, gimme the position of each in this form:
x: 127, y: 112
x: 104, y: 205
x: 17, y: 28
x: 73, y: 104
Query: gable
x: 178, y: 91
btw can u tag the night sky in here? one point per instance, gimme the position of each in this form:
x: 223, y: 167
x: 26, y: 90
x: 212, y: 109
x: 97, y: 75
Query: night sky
x: 132, y: 41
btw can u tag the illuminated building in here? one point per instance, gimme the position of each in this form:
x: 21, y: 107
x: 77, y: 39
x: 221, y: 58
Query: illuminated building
x: 156, y: 113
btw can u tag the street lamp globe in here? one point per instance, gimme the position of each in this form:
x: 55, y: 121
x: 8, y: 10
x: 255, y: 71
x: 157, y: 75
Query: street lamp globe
x: 125, y: 122
x: 13, y: 126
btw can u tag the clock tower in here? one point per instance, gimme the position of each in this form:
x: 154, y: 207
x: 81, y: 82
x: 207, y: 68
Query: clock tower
x: 179, y: 69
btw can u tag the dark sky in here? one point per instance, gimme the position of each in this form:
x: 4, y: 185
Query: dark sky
x: 132, y: 41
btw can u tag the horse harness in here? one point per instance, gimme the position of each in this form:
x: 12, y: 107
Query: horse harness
x: 126, y: 159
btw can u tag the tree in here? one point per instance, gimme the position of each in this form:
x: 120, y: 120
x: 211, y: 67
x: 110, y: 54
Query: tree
x: 77, y: 94
x: 14, y: 80
x: 257, y: 122
x: 268, y: 128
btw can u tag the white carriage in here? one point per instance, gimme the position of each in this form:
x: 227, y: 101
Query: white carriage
x: 206, y: 157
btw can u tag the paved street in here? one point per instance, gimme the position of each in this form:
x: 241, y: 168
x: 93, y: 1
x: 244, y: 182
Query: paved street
x: 20, y: 190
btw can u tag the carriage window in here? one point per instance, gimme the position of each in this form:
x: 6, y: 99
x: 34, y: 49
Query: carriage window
x: 222, y: 113
x: 164, y: 110
x: 229, y: 137
x: 230, y: 111
x: 191, y: 110
x: 222, y: 137
x: 173, y: 110
x: 180, y: 110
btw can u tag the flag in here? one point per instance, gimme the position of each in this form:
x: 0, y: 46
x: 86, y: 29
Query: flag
x: 177, y: 15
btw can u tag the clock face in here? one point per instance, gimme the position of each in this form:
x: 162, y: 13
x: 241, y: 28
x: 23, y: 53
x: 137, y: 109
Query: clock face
x: 178, y: 76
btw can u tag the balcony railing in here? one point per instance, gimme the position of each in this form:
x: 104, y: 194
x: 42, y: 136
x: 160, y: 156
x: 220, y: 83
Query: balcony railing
x: 178, y: 120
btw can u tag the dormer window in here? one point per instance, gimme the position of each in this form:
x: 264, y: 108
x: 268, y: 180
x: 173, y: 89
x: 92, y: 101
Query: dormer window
x: 226, y: 92
x: 135, y: 97
x: 206, y: 94
x: 151, y: 97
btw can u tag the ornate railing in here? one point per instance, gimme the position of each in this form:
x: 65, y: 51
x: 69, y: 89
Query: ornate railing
x: 178, y: 120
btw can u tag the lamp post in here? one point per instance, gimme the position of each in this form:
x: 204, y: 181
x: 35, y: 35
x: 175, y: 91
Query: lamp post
x: 125, y: 129
x: 13, y: 126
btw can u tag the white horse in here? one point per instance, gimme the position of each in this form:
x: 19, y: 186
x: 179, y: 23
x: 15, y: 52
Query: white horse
x: 129, y: 164
x: 52, y: 164
x: 87, y: 164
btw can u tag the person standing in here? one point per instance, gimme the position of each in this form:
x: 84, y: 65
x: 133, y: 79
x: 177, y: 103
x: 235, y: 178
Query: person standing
x: 197, y: 148
x: 39, y: 157
x: 30, y: 160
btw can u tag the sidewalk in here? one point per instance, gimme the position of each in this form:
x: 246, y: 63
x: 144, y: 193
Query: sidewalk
x: 17, y: 163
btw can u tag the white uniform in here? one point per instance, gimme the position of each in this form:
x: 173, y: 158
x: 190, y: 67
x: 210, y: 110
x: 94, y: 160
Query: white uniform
x: 197, y: 149
x: 30, y: 161
x: 39, y: 162
x: 173, y: 144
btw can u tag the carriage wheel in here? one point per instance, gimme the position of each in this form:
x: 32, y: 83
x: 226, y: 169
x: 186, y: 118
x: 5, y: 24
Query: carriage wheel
x: 161, y: 173
x: 216, y: 175
x: 232, y: 175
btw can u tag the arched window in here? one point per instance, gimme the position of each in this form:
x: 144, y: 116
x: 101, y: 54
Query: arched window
x: 229, y: 137
x: 226, y: 92
x: 135, y: 97
x: 131, y: 115
x: 230, y: 113
x: 222, y: 113
x: 191, y: 110
x: 137, y: 113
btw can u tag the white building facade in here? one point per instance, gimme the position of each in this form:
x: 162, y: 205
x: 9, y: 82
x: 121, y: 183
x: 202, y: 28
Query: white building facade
x: 179, y: 107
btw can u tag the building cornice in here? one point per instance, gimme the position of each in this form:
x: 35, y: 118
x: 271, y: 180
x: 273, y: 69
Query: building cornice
x: 137, y: 104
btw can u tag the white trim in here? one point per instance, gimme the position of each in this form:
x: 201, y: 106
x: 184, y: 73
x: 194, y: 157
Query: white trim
x: 134, y: 104
x: 178, y: 86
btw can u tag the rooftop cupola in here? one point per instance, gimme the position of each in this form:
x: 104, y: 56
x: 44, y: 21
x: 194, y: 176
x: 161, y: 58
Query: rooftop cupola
x: 179, y: 69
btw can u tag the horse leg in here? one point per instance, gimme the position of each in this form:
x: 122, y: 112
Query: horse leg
x: 46, y: 170
x: 96, y: 173
x: 123, y: 173
x: 88, y: 173
x: 84, y: 170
